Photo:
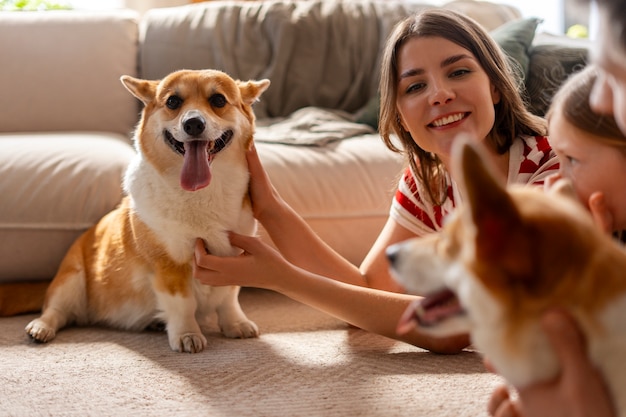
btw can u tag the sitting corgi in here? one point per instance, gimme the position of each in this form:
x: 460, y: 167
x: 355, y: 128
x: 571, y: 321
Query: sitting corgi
x: 188, y: 180
x: 509, y: 256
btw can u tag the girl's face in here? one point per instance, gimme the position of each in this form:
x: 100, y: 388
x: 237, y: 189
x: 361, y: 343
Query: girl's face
x: 442, y: 92
x: 609, y: 93
x: 591, y: 165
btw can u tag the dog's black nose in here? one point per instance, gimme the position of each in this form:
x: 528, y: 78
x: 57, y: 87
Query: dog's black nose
x: 194, y: 126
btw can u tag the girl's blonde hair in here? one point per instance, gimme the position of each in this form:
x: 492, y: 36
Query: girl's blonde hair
x: 512, y: 118
x: 572, y: 101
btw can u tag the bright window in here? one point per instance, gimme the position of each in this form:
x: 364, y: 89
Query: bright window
x: 551, y: 11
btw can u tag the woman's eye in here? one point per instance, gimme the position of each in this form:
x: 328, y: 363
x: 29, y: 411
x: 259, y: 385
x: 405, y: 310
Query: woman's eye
x: 415, y: 87
x: 459, y: 72
x: 173, y: 102
x: 217, y: 100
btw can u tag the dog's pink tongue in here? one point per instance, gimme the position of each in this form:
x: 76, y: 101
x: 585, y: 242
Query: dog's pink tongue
x: 196, y: 173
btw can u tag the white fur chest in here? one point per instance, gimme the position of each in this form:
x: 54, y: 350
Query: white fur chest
x: 179, y: 217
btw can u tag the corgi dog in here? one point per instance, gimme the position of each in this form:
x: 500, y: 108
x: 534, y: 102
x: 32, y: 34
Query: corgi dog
x: 189, y: 180
x: 505, y: 257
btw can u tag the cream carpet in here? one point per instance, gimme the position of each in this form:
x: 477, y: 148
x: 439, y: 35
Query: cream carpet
x: 304, y: 364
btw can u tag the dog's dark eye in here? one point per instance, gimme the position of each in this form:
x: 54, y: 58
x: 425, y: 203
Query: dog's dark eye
x: 217, y: 100
x: 173, y: 102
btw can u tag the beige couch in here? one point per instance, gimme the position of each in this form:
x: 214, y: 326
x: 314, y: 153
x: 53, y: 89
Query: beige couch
x: 66, y: 120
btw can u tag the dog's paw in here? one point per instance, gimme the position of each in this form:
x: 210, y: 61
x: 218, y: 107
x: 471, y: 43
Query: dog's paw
x: 188, y: 342
x: 40, y: 331
x: 241, y: 330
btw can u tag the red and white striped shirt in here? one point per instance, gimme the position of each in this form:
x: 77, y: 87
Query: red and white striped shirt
x: 531, y: 160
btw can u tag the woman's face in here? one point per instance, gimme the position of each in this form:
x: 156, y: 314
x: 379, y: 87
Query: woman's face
x: 591, y: 165
x: 609, y: 92
x: 443, y: 92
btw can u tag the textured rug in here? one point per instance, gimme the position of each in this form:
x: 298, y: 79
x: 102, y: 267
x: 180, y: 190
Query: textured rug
x: 304, y: 364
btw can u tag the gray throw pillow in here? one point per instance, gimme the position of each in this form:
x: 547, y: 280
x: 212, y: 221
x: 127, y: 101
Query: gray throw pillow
x: 550, y: 65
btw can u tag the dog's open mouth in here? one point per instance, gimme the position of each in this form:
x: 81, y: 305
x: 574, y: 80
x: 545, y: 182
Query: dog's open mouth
x: 197, y: 155
x: 430, y: 310
x: 219, y: 144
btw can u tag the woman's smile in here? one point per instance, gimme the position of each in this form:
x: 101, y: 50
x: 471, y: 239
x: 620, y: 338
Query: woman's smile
x: 445, y: 121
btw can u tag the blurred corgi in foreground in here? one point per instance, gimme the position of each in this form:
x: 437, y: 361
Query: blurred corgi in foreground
x: 501, y: 261
x: 189, y: 180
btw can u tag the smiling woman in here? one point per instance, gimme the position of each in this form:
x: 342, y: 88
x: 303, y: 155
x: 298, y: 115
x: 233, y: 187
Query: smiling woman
x: 462, y: 86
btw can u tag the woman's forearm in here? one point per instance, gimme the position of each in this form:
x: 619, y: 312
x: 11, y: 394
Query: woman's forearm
x: 372, y: 310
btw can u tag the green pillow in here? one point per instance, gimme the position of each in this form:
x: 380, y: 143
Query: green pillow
x: 514, y: 37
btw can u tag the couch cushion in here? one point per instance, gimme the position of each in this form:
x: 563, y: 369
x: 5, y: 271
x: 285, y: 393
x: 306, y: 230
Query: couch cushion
x: 516, y: 38
x: 54, y: 186
x: 552, y: 60
x: 490, y: 14
x: 316, y: 53
x: 61, y: 71
x: 343, y: 190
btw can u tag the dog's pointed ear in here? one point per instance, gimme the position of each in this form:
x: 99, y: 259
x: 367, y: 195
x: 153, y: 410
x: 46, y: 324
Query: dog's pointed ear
x: 497, y: 221
x: 144, y: 90
x: 481, y: 187
x: 252, y: 90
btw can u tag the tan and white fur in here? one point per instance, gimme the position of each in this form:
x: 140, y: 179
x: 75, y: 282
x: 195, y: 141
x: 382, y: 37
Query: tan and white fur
x: 502, y: 260
x: 189, y: 180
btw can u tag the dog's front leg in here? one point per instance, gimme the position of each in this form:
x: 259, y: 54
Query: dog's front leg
x: 231, y: 318
x: 177, y: 303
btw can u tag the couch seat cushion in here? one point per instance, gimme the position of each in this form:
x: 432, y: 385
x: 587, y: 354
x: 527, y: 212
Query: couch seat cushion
x: 54, y: 186
x: 343, y: 189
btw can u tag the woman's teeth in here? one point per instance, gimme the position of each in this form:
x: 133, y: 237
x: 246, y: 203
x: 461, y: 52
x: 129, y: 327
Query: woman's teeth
x: 448, y: 119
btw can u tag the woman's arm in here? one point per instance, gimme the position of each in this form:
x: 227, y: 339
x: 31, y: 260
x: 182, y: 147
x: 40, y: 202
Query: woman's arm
x: 375, y: 266
x: 263, y: 267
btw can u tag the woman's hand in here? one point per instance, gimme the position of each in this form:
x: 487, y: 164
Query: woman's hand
x: 258, y: 266
x: 578, y: 391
